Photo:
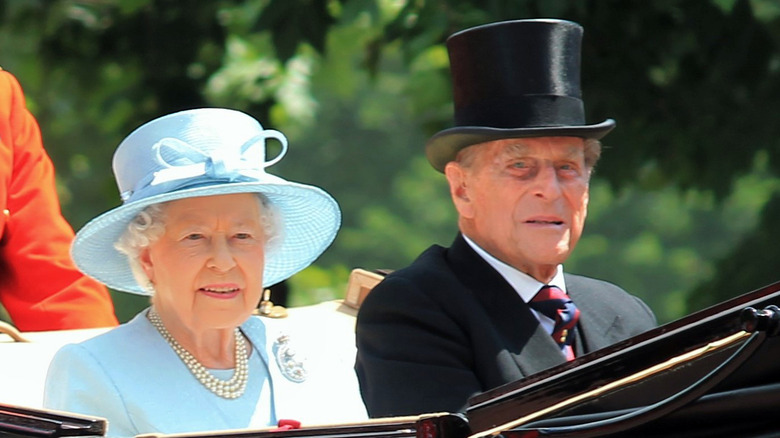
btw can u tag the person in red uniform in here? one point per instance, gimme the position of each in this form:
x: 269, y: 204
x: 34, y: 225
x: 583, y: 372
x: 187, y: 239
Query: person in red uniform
x: 40, y: 287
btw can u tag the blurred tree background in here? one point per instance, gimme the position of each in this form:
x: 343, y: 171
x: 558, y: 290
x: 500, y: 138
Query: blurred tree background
x: 683, y: 202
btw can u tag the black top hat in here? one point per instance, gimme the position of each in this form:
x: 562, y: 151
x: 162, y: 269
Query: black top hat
x: 514, y: 79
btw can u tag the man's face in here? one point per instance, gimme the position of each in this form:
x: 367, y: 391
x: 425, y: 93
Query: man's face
x: 523, y: 200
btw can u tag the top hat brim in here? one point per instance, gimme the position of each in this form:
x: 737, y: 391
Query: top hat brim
x: 444, y: 146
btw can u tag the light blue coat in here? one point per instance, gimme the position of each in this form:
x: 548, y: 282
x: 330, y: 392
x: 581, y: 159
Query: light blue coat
x: 131, y: 377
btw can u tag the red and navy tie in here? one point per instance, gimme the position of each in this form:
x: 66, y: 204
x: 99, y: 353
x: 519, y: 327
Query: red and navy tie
x: 555, y: 304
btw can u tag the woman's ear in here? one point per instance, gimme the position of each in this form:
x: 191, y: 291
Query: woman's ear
x: 145, y: 259
x: 457, y: 177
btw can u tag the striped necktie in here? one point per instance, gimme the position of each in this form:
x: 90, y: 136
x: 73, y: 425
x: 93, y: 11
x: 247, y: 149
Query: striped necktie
x: 552, y: 302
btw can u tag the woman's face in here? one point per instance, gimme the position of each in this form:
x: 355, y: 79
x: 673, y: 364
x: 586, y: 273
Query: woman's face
x: 207, y: 268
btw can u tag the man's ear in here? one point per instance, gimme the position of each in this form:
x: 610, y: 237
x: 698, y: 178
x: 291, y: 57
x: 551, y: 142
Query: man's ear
x: 457, y: 177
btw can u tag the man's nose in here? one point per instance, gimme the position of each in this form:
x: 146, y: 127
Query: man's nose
x: 546, y: 183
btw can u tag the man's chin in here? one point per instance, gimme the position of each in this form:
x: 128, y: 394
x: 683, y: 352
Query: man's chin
x: 554, y: 252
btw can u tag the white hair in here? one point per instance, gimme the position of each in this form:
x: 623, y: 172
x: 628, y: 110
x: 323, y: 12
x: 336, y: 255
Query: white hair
x: 149, y: 225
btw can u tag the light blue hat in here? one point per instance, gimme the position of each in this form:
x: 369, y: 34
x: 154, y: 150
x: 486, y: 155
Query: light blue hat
x: 203, y: 152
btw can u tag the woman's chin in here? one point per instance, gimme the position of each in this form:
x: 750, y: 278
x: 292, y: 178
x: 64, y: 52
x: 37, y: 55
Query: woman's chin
x: 220, y: 317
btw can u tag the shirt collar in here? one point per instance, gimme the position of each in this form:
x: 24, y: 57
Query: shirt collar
x: 525, y: 285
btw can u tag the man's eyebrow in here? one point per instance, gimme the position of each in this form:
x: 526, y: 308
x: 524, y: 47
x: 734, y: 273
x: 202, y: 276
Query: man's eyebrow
x: 516, y: 148
x: 520, y: 148
x: 575, y: 151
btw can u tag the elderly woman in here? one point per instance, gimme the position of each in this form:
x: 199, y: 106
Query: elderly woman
x: 202, y: 229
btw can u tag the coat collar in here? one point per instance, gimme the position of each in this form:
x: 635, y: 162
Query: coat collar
x: 270, y: 341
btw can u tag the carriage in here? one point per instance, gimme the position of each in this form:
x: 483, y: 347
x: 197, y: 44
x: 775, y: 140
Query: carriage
x: 713, y: 373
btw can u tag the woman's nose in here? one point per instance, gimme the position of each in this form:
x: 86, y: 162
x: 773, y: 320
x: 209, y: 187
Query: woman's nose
x: 222, y: 257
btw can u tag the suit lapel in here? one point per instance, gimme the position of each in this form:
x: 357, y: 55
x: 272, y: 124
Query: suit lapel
x: 596, y: 328
x: 531, y: 347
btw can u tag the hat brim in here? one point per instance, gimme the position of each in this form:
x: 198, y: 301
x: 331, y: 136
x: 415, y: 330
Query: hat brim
x: 445, y: 145
x: 310, y: 220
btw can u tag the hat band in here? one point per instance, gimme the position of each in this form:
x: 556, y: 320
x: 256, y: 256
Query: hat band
x: 193, y: 167
x: 535, y: 111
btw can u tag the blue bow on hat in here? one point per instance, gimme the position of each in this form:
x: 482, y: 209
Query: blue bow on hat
x: 190, y: 166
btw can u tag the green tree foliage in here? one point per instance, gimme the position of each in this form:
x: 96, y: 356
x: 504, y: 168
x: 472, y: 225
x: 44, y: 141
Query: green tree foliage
x: 682, y: 202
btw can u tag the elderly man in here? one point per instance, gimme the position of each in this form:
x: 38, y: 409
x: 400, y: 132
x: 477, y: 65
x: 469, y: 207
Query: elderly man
x: 471, y: 317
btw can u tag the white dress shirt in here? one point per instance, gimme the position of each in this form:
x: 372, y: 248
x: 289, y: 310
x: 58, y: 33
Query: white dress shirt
x: 525, y: 285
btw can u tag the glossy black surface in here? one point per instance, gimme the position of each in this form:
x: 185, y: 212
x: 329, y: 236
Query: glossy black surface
x: 521, y: 398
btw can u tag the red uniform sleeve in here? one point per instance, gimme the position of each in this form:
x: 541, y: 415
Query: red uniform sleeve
x: 40, y: 286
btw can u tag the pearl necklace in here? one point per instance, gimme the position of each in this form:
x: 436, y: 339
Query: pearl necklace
x: 229, y: 389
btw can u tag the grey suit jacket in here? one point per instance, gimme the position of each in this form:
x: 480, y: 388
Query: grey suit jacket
x: 449, y: 326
